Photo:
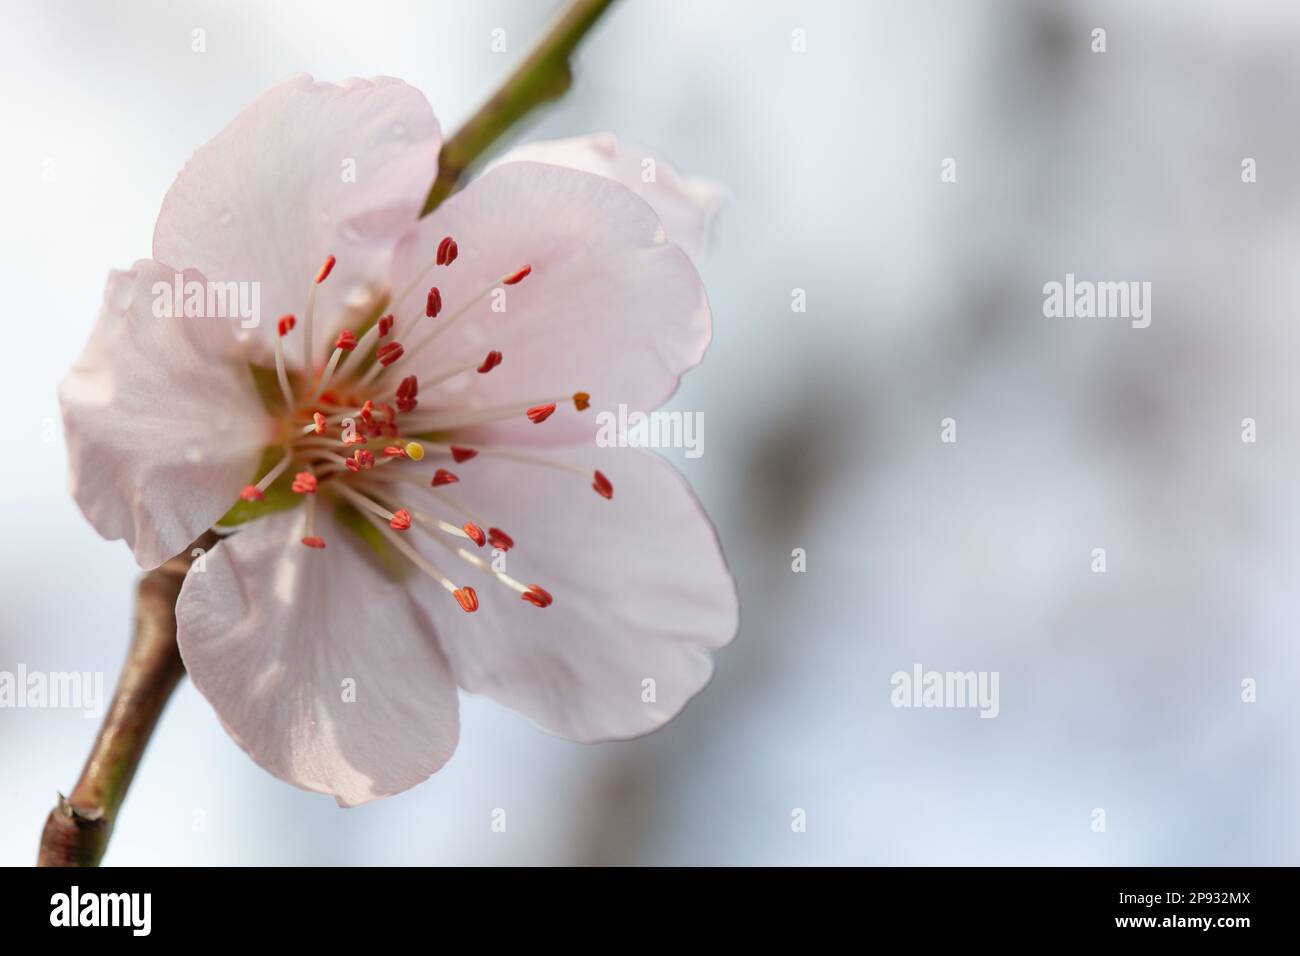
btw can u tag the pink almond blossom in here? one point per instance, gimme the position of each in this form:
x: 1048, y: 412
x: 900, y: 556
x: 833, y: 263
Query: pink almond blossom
x: 415, y: 404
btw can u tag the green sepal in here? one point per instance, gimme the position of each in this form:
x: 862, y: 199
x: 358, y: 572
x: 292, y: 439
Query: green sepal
x: 279, y: 496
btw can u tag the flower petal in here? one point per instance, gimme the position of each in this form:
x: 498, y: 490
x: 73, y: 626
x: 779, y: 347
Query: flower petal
x: 277, y: 636
x: 307, y: 170
x: 641, y: 592
x: 164, y: 425
x: 610, y: 308
x: 686, y: 204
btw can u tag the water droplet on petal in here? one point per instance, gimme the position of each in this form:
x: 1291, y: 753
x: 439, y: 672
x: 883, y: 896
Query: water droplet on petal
x: 660, y: 235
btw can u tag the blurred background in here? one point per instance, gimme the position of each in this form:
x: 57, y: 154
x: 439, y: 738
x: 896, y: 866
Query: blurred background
x: 1120, y: 691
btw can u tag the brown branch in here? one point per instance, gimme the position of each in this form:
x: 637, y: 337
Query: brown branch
x: 77, y: 829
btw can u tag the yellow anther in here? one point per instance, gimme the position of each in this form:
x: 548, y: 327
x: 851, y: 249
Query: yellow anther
x: 414, y: 450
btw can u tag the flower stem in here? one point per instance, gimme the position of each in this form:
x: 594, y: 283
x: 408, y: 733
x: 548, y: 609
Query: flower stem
x: 543, y: 77
x: 77, y: 829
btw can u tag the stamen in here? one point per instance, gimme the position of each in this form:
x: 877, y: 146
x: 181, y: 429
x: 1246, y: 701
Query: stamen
x: 450, y: 420
x: 602, y: 485
x: 284, y: 326
x: 406, y: 394
x: 385, y: 325
x: 346, y: 341
x: 517, y: 277
x: 537, y: 596
x: 487, y: 365
x: 581, y: 401
x: 460, y: 454
x: 257, y: 492
x: 308, y: 365
x: 539, y: 413
x: 475, y: 533
x: 311, y: 540
x: 464, y: 596
x: 362, y: 348
x: 433, y: 303
x: 361, y: 460
x: 304, y: 483
x: 443, y: 477
x: 388, y: 354
x: 414, y: 450
x: 401, y: 520
x: 500, y: 540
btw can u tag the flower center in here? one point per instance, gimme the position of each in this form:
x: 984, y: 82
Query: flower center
x: 353, y: 431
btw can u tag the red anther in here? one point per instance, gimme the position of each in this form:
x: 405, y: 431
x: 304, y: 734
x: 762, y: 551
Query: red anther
x: 407, y: 389
x: 433, y: 304
x: 387, y: 412
x: 517, y: 277
x: 537, y: 596
x: 466, y: 598
x: 443, y: 246
x: 325, y: 270
x: 286, y: 324
x: 360, y: 460
x: 347, y: 340
x: 385, y: 325
x: 460, y: 454
x: 319, y: 419
x: 314, y: 542
x: 443, y: 477
x: 603, y: 486
x: 252, y: 493
x: 304, y: 483
x: 475, y: 533
x: 401, y: 520
x: 453, y: 251
x: 492, y: 361
x: 394, y: 451
x: 581, y: 401
x: 354, y: 438
x: 368, y: 410
x: 389, y: 353
x: 500, y: 540
x: 539, y: 413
